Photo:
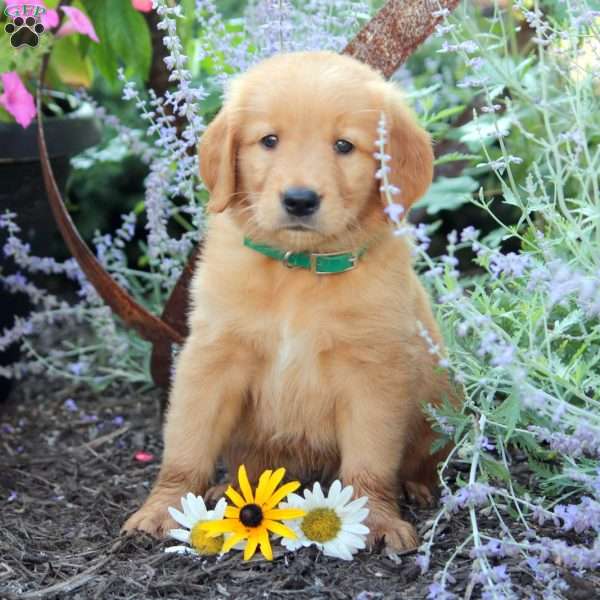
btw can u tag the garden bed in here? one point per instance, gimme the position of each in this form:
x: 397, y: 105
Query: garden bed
x: 69, y: 477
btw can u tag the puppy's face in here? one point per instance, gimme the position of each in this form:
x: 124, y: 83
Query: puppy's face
x: 292, y: 151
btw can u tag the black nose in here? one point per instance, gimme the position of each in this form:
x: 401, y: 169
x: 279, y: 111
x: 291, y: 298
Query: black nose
x: 300, y: 201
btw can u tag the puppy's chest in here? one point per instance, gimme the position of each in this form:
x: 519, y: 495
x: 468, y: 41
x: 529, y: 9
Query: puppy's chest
x: 293, y: 389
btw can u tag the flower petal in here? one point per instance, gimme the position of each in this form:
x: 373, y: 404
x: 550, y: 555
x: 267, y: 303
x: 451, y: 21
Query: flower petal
x: 16, y: 99
x: 216, y: 528
x: 235, y: 497
x: 232, y: 512
x: 181, y: 518
x: 358, y: 516
x: 78, y: 22
x: 280, y: 529
x: 49, y: 19
x: 274, y: 481
x: 250, y: 548
x: 218, y: 511
x: 337, y: 550
x: 281, y: 493
x: 318, y: 492
x: 181, y: 535
x: 285, y: 514
x: 357, y: 528
x: 291, y: 544
x: 181, y: 550
x: 351, y: 540
x: 334, y: 490
x: 263, y: 482
x: 345, y: 495
x: 232, y: 540
x: 265, y: 544
x: 142, y: 5
x: 245, y: 484
x: 355, y: 504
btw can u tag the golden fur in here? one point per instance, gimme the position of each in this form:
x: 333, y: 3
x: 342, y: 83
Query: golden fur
x: 325, y: 375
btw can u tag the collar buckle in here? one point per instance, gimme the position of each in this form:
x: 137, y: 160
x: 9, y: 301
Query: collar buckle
x: 286, y: 260
x: 314, y: 264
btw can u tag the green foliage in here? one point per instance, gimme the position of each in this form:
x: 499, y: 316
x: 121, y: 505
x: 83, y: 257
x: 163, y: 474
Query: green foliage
x: 448, y: 193
x: 124, y: 39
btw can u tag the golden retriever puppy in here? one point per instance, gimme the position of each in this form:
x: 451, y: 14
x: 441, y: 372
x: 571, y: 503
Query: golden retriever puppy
x: 304, y: 349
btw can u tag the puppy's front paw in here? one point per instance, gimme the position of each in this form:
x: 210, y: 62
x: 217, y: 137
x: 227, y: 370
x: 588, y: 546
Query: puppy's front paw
x: 397, y: 534
x: 152, y: 518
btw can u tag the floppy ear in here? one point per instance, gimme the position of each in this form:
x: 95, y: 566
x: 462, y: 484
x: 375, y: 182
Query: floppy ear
x: 409, y: 146
x: 218, y: 161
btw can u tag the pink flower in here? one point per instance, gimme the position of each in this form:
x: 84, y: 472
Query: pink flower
x: 142, y: 5
x: 78, y: 22
x: 16, y: 99
x: 143, y: 456
x: 49, y: 19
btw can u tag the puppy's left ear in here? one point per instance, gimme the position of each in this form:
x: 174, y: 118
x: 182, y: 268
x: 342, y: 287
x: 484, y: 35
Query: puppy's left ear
x: 409, y: 146
x: 218, y: 153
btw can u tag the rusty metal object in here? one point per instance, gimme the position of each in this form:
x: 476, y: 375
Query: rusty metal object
x: 384, y: 44
x: 396, y: 31
x: 175, y: 315
x: 146, y: 324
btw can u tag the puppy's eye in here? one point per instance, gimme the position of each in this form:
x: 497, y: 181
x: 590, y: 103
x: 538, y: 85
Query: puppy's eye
x: 343, y: 146
x: 269, y: 141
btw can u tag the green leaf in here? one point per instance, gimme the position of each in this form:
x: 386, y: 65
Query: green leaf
x: 455, y: 157
x: 68, y: 64
x: 124, y: 39
x: 129, y: 37
x: 494, y: 468
x: 444, y: 114
x: 448, y: 194
x: 508, y: 414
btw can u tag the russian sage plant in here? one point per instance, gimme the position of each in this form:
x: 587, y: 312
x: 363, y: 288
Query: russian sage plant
x: 523, y: 335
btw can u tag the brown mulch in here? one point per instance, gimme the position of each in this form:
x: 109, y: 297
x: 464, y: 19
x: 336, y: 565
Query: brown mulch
x: 69, y: 478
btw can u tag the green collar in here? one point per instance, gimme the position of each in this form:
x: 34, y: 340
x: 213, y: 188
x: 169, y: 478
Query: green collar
x: 319, y: 263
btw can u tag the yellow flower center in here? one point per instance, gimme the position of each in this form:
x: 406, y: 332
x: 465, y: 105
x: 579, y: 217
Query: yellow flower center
x: 321, y: 525
x: 203, y: 544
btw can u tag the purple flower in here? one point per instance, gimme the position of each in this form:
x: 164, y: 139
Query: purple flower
x: 422, y: 561
x: 70, y: 405
x: 485, y: 444
x: 394, y: 211
x: 437, y: 591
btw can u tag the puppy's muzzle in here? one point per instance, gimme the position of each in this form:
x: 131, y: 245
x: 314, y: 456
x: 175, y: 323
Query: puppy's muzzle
x: 300, y: 201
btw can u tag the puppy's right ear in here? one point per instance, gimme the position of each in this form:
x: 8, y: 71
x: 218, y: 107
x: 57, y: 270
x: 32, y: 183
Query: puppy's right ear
x: 218, y: 161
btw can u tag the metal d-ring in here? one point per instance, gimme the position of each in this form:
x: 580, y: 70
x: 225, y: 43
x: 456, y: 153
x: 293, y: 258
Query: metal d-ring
x: 286, y: 260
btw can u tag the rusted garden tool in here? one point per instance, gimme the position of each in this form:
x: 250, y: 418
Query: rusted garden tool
x: 384, y: 43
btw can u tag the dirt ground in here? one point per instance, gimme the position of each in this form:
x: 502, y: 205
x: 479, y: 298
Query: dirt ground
x: 69, y: 478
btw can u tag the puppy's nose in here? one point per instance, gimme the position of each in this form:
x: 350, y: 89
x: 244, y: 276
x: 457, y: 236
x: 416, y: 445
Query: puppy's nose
x: 300, y: 201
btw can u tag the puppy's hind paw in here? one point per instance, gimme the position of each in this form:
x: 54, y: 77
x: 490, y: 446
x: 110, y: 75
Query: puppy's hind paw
x: 215, y: 493
x: 419, y: 493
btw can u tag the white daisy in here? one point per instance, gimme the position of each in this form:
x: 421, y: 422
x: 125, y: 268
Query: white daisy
x: 194, y: 513
x: 333, y: 523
